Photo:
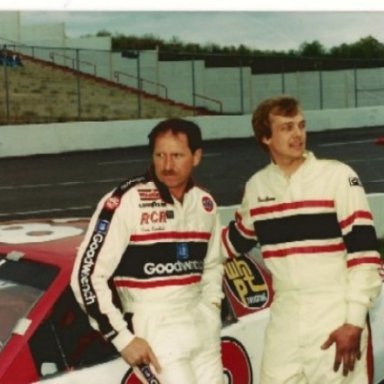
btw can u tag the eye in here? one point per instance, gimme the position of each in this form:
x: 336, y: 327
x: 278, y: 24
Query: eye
x: 287, y: 127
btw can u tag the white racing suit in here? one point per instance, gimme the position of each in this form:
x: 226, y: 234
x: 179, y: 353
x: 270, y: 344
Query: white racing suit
x: 163, y: 258
x: 318, y: 240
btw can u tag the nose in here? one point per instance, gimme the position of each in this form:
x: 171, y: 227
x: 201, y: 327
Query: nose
x: 168, y: 163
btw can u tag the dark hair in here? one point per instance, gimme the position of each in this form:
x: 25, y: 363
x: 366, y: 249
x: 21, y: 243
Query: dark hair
x: 281, y: 105
x: 177, y: 125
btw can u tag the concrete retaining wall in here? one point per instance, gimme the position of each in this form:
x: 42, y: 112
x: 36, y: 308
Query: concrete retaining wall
x: 22, y: 140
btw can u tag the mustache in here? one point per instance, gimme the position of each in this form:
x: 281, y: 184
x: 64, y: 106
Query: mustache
x: 168, y: 173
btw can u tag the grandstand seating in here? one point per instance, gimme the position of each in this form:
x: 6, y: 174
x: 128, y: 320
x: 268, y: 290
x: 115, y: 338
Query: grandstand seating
x: 42, y: 91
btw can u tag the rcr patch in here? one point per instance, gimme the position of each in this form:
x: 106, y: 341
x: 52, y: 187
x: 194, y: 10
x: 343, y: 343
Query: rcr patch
x: 153, y: 217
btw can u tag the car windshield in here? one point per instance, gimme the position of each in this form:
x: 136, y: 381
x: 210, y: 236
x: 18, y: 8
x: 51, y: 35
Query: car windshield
x: 21, y: 285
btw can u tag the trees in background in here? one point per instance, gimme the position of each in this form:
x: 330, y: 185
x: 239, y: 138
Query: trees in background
x: 365, y: 48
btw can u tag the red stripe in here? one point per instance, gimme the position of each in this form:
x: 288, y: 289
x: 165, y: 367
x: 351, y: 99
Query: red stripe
x: 157, y: 283
x: 245, y: 230
x: 172, y: 236
x: 363, y: 260
x: 295, y: 205
x: 356, y: 215
x: 310, y: 249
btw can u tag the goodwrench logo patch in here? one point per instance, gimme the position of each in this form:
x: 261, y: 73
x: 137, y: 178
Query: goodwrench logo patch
x: 86, y: 269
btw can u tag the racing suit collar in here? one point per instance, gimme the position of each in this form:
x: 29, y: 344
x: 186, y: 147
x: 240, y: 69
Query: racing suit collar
x: 165, y: 195
x: 308, y: 156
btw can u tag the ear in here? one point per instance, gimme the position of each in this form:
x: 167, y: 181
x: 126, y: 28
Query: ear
x: 266, y: 140
x: 197, y: 157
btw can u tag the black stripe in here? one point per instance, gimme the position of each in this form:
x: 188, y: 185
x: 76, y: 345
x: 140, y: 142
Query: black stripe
x: 240, y: 243
x: 136, y: 257
x: 89, y: 260
x: 320, y: 226
x: 361, y: 238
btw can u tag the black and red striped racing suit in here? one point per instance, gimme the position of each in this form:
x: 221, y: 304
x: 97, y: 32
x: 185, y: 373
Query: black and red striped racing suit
x: 317, y: 237
x: 164, y: 260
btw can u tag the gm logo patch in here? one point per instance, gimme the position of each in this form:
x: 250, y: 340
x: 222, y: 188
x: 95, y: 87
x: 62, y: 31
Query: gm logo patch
x: 102, y: 226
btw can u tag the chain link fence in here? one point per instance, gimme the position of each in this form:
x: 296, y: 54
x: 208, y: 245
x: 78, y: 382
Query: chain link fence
x: 42, y: 84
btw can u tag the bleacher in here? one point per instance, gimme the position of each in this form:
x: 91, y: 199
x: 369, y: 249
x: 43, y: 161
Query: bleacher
x: 41, y: 91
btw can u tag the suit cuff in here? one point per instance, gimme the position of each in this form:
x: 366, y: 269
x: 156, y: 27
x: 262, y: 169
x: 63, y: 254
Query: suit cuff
x: 356, y: 314
x: 122, y: 339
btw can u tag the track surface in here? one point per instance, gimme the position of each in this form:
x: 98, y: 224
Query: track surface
x: 69, y: 185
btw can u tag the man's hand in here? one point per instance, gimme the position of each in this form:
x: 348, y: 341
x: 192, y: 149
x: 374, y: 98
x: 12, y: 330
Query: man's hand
x: 139, y: 352
x: 347, y: 339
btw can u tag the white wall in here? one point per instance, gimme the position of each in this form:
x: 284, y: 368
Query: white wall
x: 64, y: 137
x: 51, y: 34
x: 177, y: 75
x: 43, y: 35
x: 10, y: 26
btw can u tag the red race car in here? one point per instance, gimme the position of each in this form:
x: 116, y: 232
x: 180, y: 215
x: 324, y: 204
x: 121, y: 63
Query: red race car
x: 45, y: 337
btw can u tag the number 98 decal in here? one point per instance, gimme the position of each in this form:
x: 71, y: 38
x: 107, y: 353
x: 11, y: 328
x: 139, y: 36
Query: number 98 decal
x: 236, y: 362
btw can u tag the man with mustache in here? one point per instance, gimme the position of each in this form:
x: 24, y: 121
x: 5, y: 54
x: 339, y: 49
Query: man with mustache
x: 316, y: 234
x: 156, y: 240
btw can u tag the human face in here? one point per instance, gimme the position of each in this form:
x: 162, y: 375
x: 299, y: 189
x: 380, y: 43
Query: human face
x: 174, y: 161
x: 287, y: 142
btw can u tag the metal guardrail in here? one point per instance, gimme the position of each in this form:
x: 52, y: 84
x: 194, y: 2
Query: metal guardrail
x: 140, y: 81
x: 52, y: 56
x: 218, y: 102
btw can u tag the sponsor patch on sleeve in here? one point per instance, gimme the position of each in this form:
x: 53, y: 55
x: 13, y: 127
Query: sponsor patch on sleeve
x: 354, y: 181
x: 207, y: 203
x: 112, y: 203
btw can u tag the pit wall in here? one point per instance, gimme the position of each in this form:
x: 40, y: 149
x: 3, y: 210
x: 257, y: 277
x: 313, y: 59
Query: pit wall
x: 25, y: 140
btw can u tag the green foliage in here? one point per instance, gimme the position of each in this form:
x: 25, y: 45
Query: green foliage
x: 313, y: 49
x: 102, y: 33
x: 365, y: 48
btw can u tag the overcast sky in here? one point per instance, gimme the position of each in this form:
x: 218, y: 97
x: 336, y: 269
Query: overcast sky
x: 263, y: 27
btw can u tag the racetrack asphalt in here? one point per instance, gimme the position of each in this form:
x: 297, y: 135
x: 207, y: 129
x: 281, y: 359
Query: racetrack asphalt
x: 71, y: 184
